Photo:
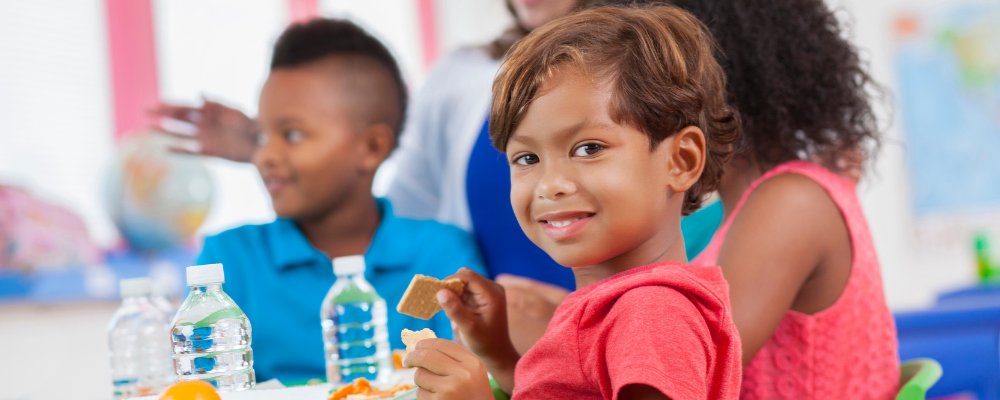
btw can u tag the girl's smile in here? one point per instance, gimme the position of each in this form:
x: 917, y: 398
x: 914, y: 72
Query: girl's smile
x: 562, y: 225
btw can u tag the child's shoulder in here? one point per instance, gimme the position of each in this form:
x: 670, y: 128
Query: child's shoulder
x: 427, y: 243
x: 431, y: 233
x: 798, y: 191
x: 676, y: 285
x: 247, y: 234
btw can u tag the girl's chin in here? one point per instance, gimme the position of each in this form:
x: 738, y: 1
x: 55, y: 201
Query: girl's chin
x: 574, y: 259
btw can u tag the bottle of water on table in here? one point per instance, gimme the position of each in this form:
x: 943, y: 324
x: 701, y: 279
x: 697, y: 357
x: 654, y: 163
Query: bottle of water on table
x: 160, y: 297
x: 139, y: 343
x: 354, y: 318
x: 211, y: 335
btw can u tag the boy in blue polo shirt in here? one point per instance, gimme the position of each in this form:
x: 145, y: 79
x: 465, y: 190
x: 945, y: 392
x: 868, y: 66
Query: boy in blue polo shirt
x: 330, y: 113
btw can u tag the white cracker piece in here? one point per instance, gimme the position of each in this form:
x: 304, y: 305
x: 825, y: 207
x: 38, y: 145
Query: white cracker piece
x: 410, y: 338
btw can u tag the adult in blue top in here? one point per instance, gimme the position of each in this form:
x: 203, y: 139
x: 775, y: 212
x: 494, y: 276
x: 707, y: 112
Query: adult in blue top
x: 330, y: 113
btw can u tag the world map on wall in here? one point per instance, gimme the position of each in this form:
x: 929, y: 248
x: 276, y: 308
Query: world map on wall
x: 948, y: 70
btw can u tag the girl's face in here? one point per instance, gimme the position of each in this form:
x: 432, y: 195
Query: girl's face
x: 586, y: 189
x: 534, y: 13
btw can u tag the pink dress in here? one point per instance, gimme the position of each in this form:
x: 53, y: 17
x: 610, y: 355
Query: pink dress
x: 847, y: 351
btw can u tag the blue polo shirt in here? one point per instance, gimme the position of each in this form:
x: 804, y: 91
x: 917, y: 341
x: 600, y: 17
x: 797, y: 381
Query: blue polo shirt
x: 279, y: 280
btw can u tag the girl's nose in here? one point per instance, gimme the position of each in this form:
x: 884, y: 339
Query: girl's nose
x: 555, y: 183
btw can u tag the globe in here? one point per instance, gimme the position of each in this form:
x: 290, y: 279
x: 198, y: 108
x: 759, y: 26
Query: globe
x: 156, y: 198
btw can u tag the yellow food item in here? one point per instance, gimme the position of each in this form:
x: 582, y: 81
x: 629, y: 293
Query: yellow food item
x: 190, y: 390
x: 361, y: 389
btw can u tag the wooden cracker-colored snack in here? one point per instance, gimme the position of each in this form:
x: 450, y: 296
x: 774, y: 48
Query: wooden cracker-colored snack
x: 410, y: 338
x: 420, y: 298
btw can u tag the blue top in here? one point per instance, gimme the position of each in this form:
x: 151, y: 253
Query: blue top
x: 505, y: 246
x: 279, y: 280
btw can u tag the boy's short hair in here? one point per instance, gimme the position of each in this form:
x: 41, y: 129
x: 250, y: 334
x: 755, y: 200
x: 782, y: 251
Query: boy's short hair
x: 658, y: 62
x: 322, y: 38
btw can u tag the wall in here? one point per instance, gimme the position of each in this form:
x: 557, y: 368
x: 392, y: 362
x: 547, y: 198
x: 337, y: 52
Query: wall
x: 55, y: 105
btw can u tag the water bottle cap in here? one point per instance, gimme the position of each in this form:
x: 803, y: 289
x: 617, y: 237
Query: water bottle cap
x: 349, y: 265
x: 133, y: 287
x: 162, y: 288
x: 201, y: 275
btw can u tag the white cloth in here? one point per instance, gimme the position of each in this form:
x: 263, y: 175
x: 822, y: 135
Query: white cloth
x: 442, y: 126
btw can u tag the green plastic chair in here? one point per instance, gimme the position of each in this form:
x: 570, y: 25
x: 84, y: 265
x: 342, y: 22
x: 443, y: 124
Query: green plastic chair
x: 917, y: 377
x: 498, y: 394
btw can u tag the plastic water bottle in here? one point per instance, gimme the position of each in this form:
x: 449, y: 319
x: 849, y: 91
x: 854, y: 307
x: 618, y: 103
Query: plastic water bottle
x: 161, y: 299
x: 354, y: 317
x: 139, y: 343
x: 211, y: 335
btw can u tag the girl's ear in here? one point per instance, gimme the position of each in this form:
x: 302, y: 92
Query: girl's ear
x: 376, y: 144
x: 686, y: 159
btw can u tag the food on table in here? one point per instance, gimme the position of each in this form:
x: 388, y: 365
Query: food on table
x: 361, y: 389
x: 410, y: 338
x: 420, y: 298
x: 397, y: 358
x: 190, y: 390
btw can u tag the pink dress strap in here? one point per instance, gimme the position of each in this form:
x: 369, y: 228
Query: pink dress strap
x: 847, y: 351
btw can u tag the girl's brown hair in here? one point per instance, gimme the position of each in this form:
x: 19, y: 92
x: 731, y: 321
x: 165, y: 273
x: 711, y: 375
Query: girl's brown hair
x: 659, y: 64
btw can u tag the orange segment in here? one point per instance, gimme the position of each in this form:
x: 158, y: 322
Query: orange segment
x: 190, y: 390
x: 343, y: 392
x: 397, y: 358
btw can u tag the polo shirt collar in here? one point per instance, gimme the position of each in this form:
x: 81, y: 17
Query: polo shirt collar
x: 389, y: 249
x: 289, y: 246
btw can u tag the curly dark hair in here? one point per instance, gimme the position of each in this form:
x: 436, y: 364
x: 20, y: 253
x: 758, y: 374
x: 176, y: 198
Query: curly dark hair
x: 305, y: 42
x: 800, y: 87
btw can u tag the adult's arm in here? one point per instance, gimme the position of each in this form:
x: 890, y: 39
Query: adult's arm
x: 415, y: 190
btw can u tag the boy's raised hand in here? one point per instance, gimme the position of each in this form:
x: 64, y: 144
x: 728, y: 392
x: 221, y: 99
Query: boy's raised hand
x: 446, y: 370
x: 480, y: 319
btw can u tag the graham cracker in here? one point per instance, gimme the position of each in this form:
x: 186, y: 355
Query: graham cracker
x: 420, y: 298
x: 410, y: 338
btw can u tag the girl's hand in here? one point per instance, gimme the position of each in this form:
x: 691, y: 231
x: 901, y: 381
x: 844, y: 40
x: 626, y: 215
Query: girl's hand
x: 480, y: 319
x: 446, y: 370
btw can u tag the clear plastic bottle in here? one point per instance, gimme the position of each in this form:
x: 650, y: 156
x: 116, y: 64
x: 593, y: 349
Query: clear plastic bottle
x: 161, y: 299
x: 211, y: 335
x: 354, y: 318
x: 139, y: 343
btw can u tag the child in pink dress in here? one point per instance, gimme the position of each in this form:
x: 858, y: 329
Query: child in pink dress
x: 805, y: 285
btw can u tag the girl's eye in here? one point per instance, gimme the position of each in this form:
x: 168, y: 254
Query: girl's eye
x: 293, y: 136
x: 261, y: 139
x: 588, y: 149
x: 527, y: 159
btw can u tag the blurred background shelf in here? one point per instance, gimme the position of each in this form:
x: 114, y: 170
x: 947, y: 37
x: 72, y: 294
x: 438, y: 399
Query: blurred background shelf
x: 83, y: 283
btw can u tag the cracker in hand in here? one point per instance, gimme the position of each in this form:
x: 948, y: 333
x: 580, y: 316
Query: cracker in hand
x: 420, y: 298
x: 410, y: 338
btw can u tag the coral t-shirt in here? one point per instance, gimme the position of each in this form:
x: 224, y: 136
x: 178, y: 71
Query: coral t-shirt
x: 665, y: 325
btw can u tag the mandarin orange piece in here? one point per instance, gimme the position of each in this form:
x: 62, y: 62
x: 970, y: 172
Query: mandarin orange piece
x: 343, y: 392
x: 190, y: 390
x: 363, y: 385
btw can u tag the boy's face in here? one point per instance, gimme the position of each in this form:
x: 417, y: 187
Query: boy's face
x: 313, y: 155
x: 586, y: 189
